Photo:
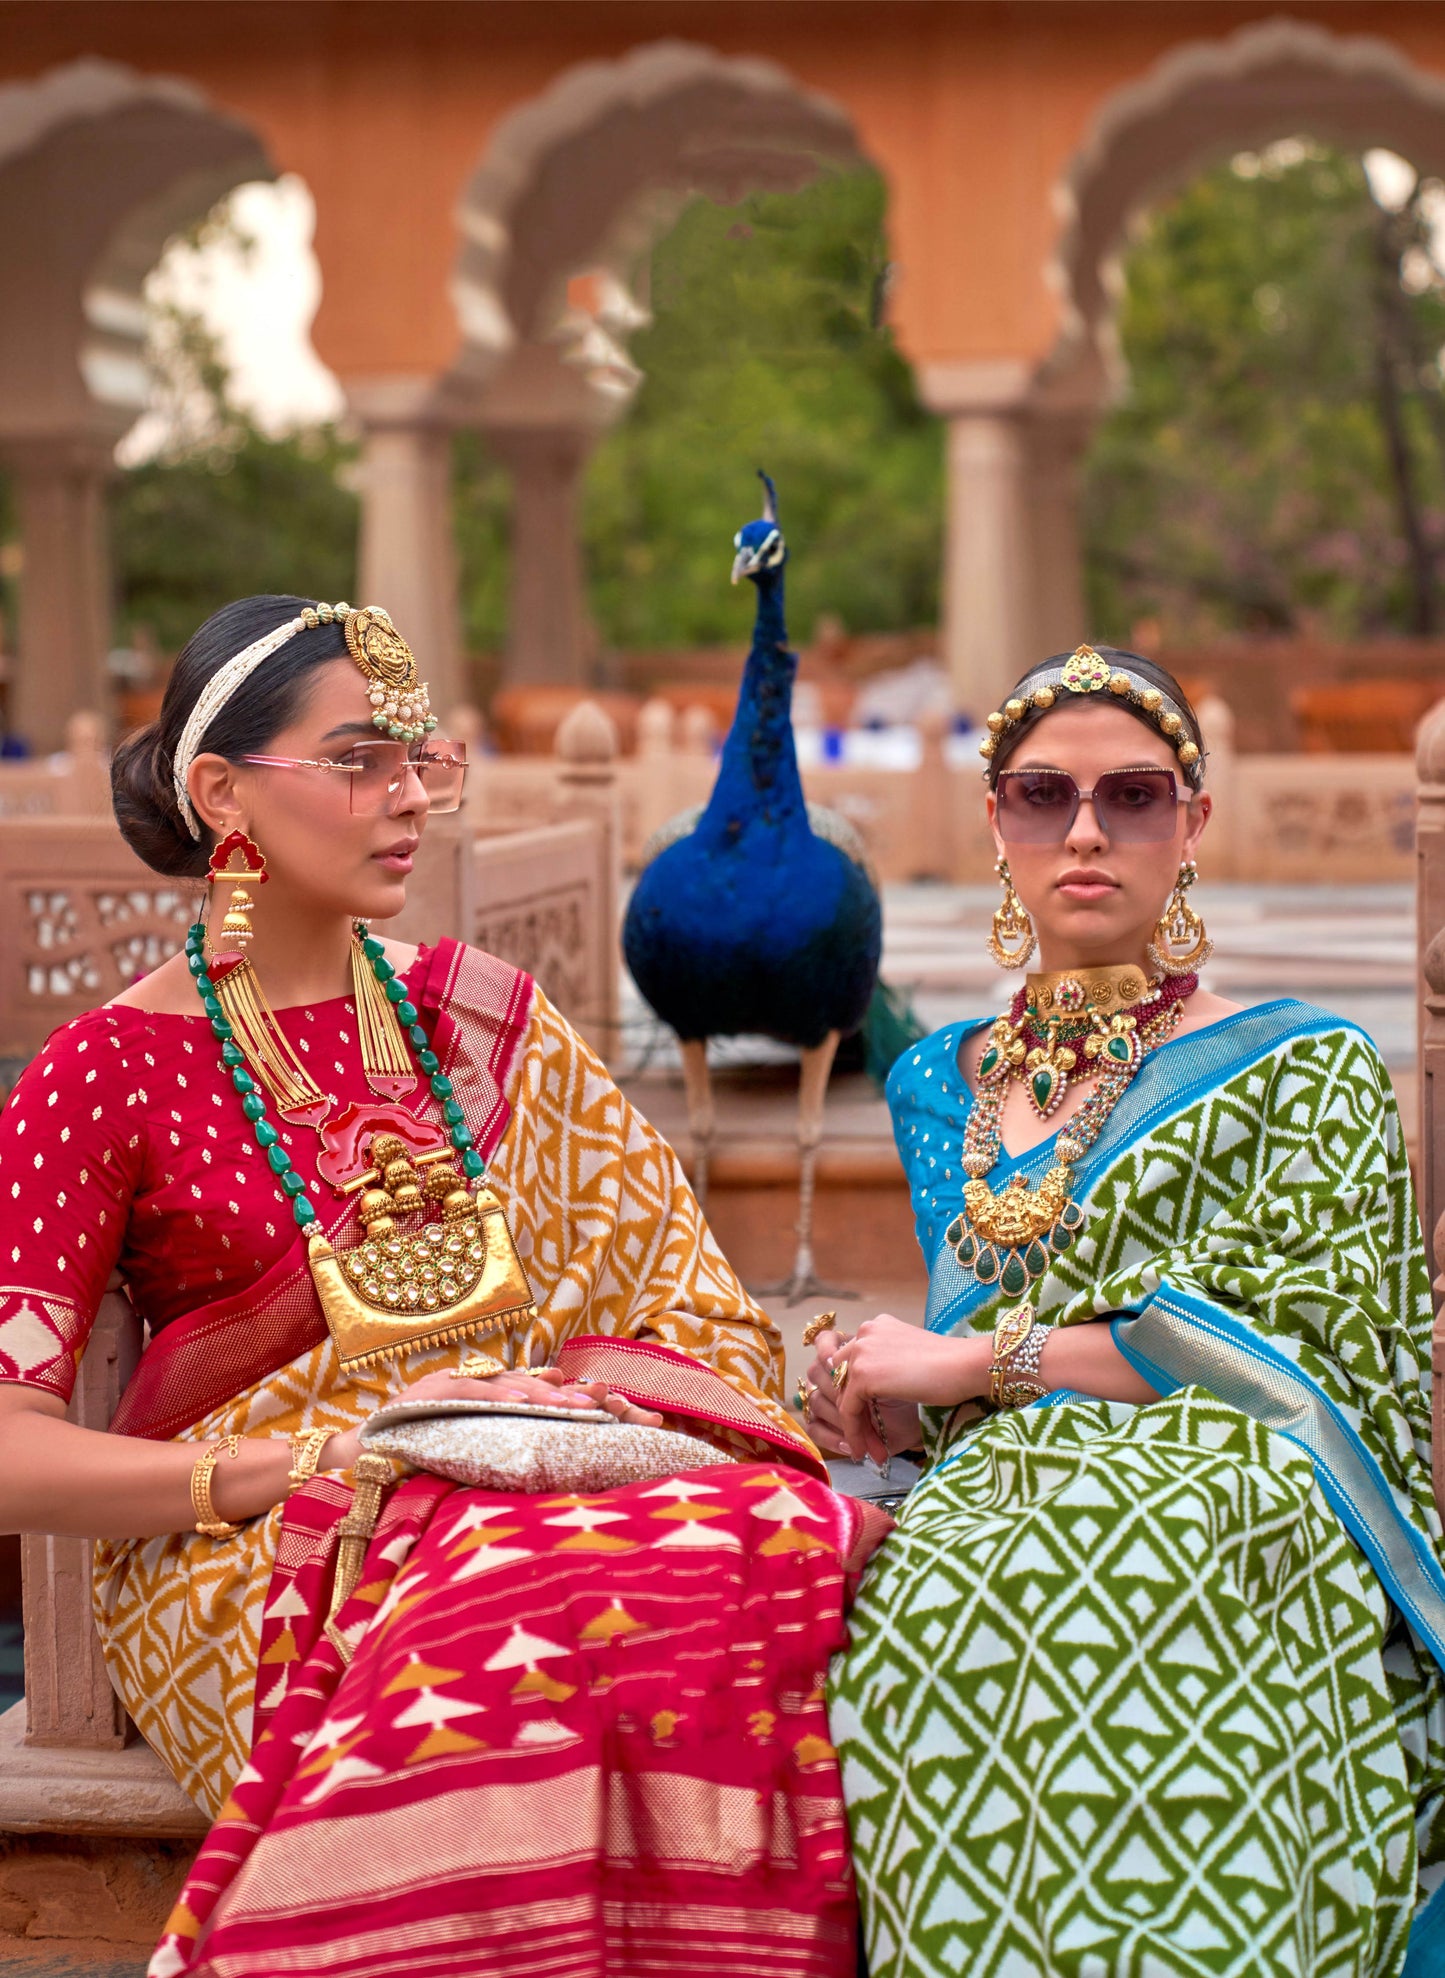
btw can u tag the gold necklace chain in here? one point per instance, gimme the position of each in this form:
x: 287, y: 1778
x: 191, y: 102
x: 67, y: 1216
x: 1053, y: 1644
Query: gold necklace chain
x: 273, y: 1061
x: 1008, y: 1238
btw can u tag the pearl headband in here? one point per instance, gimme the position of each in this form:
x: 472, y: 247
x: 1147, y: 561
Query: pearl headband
x: 399, y: 701
x: 1087, y: 672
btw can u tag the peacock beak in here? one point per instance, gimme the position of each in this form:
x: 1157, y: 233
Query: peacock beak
x: 744, y: 564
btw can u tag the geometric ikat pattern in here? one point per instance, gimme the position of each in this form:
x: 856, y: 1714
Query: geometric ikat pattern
x: 1116, y: 1704
x: 1090, y: 1612
x: 613, y: 1242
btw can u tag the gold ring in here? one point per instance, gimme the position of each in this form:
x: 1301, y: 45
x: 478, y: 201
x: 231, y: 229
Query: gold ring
x: 840, y: 1375
x: 804, y: 1400
x: 478, y: 1366
x: 821, y: 1323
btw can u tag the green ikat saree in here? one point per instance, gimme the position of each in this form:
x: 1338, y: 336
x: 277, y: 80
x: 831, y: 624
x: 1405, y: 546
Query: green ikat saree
x: 1144, y: 1691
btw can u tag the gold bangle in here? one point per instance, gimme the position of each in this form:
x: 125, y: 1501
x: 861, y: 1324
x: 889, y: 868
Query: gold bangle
x: 1012, y: 1329
x: 478, y: 1366
x: 209, y: 1522
x: 306, y: 1448
x: 821, y: 1323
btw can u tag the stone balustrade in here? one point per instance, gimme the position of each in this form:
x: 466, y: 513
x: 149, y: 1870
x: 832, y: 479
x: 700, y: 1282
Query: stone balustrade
x: 1282, y: 819
x: 84, y: 917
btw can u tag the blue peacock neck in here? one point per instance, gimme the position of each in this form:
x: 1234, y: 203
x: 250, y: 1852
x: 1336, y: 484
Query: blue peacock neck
x: 759, y: 768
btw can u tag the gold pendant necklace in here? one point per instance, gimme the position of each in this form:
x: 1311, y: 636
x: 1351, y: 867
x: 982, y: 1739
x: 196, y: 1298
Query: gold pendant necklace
x: 395, y: 1291
x: 457, y: 1276
x: 1008, y: 1238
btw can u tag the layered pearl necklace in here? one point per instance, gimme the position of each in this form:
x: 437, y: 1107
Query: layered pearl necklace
x: 1110, y: 1019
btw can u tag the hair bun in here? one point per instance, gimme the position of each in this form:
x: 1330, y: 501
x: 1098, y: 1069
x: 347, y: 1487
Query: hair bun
x: 146, y: 810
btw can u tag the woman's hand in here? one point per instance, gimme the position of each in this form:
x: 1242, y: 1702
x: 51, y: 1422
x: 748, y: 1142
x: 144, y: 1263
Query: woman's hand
x: 889, y: 1363
x: 544, y: 1384
x: 899, y: 1418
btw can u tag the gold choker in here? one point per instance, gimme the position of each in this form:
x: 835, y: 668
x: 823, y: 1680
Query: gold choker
x: 1069, y: 992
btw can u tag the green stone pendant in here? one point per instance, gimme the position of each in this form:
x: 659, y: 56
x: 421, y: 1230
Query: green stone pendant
x: 985, y: 1265
x: 1043, y: 1085
x: 1013, y: 1278
x: 989, y: 1061
x: 1118, y: 1049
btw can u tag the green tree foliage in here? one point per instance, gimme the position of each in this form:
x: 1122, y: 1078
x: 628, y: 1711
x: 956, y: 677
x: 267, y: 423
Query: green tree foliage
x: 225, y: 510
x: 481, y: 518
x: 1277, y: 460
x: 766, y: 349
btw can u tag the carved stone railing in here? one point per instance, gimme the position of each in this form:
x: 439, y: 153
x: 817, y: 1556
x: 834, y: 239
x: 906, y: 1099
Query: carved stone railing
x: 1430, y: 909
x: 546, y: 897
x: 75, y: 783
x: 1285, y: 819
x: 82, y: 918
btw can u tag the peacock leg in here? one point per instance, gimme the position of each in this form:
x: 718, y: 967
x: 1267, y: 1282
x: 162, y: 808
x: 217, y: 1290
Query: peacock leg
x: 817, y: 1066
x: 701, y: 1117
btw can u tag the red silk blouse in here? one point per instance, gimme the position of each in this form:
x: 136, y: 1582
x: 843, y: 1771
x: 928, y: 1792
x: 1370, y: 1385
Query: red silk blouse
x: 124, y: 1148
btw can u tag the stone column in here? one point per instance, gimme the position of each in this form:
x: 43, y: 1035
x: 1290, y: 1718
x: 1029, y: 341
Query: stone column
x: 64, y: 632
x: 407, y: 560
x: 1057, y: 443
x: 549, y: 634
x: 988, y: 616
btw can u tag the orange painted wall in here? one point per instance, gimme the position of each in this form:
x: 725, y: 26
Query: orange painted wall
x: 972, y: 111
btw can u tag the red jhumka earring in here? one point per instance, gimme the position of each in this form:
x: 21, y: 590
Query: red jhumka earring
x: 239, y: 862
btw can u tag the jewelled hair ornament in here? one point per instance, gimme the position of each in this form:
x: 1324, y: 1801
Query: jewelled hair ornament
x: 399, y: 701
x: 1088, y: 672
x: 400, y: 704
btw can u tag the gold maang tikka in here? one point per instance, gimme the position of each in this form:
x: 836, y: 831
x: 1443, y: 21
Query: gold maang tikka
x: 400, y: 703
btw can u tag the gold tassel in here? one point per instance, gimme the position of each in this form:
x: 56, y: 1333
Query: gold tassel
x: 289, y: 1085
x: 383, y: 1047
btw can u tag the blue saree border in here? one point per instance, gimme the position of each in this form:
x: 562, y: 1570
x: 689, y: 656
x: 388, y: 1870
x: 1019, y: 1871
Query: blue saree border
x: 1209, y: 1058
x: 1240, y: 1366
x: 1425, y: 1952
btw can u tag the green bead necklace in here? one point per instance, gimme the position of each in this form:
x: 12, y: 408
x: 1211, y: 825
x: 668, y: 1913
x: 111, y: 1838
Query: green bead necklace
x: 253, y: 1104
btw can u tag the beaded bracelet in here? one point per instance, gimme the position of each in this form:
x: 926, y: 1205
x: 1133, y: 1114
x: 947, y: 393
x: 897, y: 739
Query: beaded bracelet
x: 1013, y: 1378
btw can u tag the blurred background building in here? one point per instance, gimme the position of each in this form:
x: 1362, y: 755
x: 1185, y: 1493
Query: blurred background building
x: 1053, y: 319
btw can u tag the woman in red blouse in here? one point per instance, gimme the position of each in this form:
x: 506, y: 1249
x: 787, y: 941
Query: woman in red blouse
x: 562, y: 1729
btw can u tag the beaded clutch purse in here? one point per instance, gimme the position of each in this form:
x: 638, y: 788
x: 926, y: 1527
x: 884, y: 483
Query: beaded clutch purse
x: 530, y: 1446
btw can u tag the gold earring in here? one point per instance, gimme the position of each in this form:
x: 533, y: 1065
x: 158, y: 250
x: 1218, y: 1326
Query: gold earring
x: 239, y: 863
x: 1011, y: 938
x: 1180, y: 945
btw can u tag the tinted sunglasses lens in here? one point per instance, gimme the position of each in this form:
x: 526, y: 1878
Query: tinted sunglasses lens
x: 1035, y: 807
x: 1136, y: 806
x: 373, y: 771
x: 442, y: 766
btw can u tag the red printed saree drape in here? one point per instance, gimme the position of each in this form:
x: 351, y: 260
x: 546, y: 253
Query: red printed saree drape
x: 579, y: 1735
x: 127, y: 1118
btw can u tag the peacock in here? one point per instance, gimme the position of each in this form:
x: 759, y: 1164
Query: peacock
x: 757, y: 913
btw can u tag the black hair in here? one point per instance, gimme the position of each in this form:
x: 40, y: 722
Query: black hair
x: 142, y: 793
x: 1116, y: 658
